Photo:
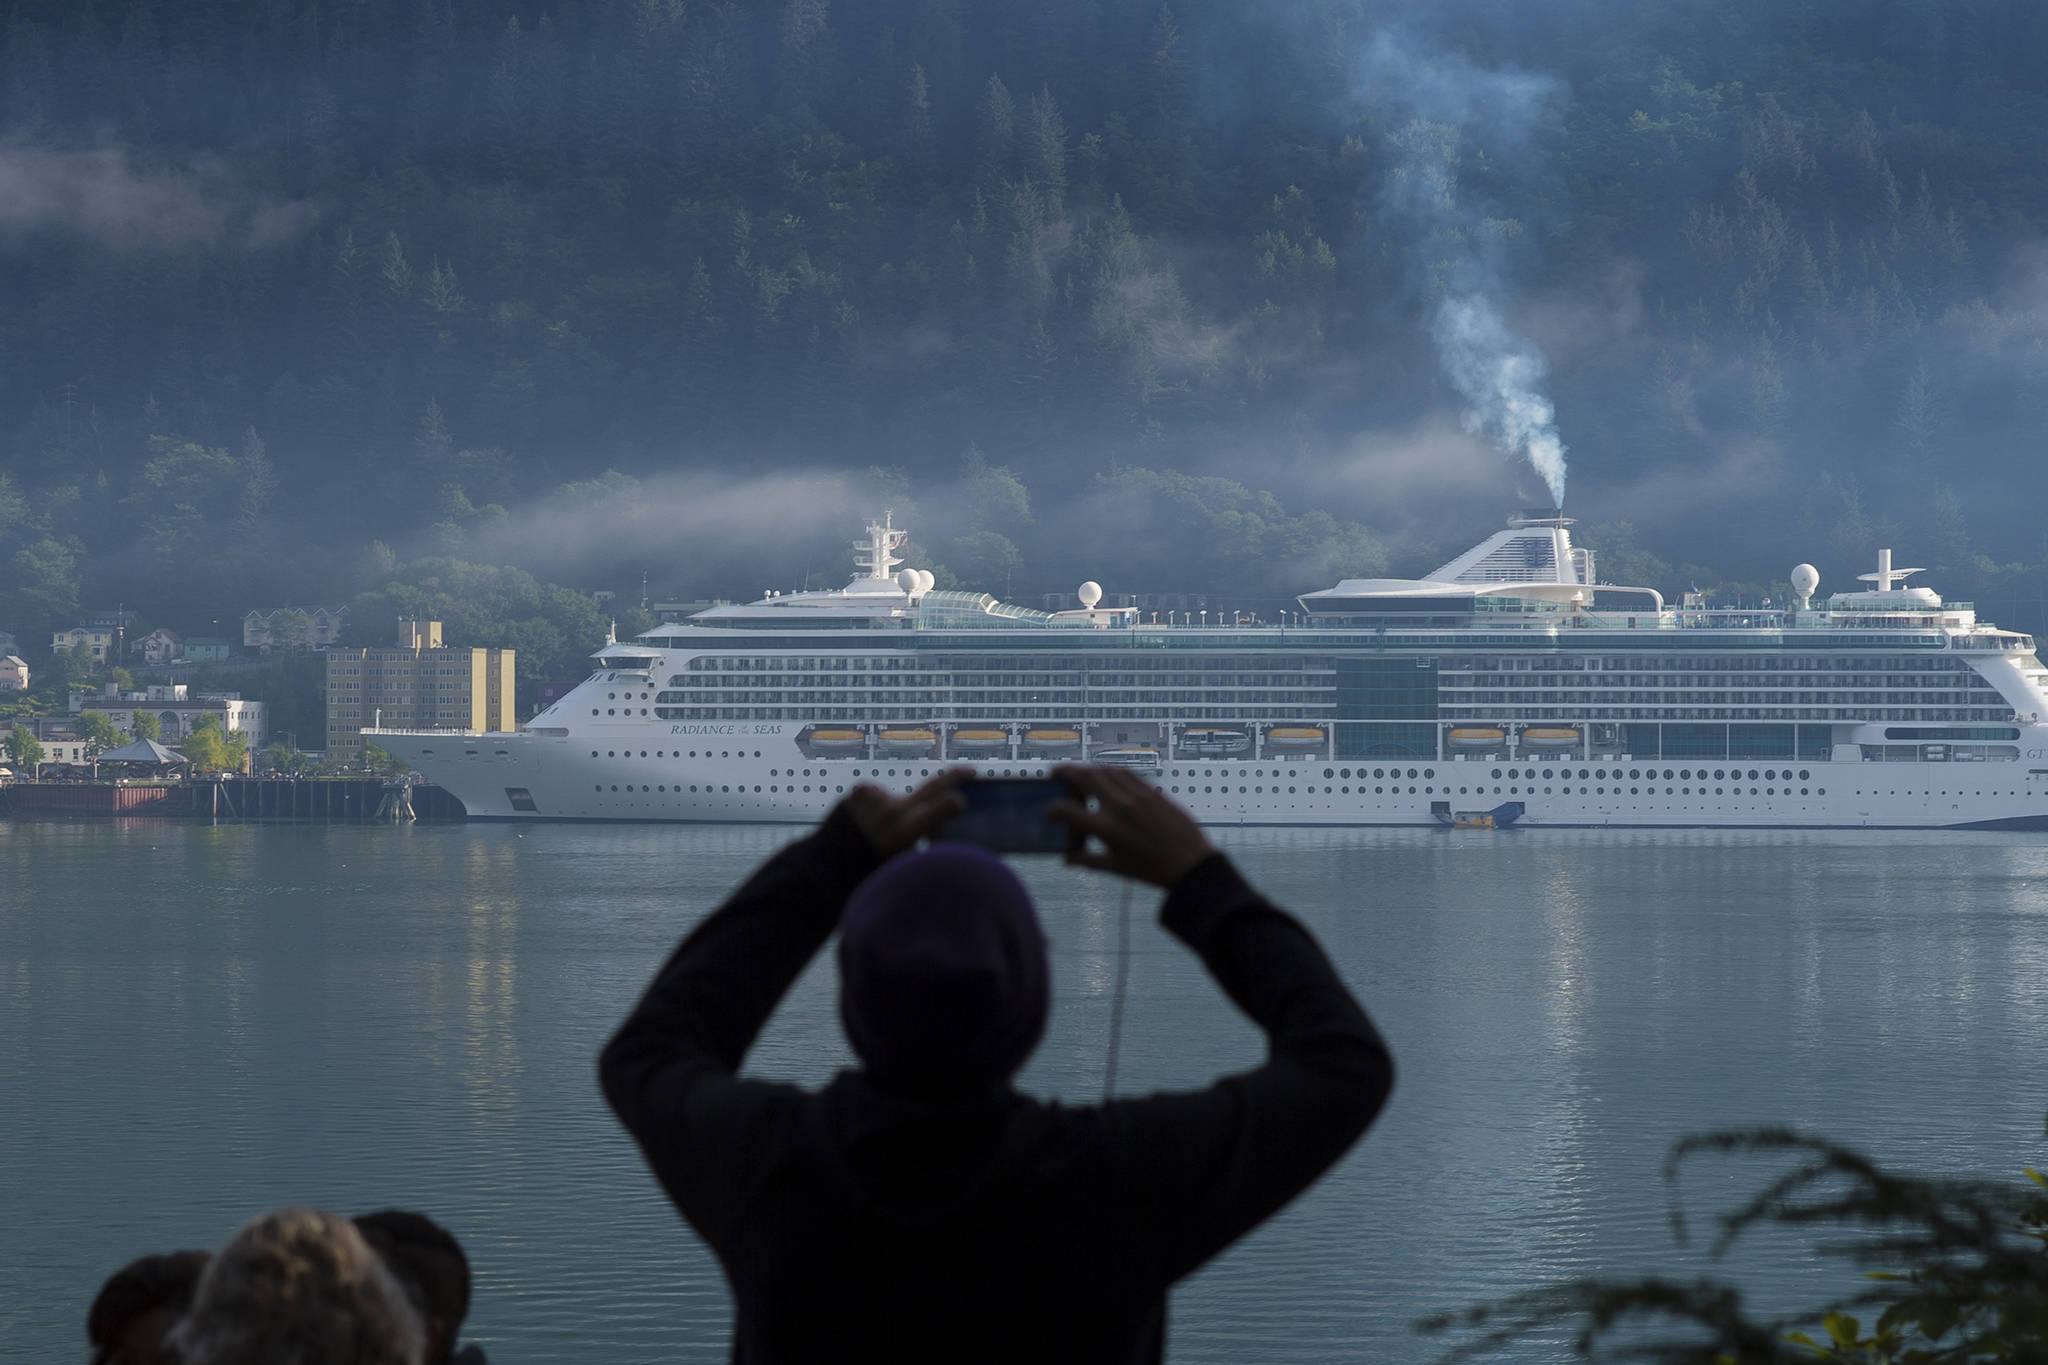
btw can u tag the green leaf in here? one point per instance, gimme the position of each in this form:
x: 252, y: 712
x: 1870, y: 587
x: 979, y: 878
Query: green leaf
x: 2036, y: 1176
x: 1842, y: 1329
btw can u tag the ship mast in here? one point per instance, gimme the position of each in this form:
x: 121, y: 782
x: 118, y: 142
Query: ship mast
x: 876, y: 554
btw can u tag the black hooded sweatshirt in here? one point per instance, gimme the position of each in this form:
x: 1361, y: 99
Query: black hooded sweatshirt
x: 856, y: 1224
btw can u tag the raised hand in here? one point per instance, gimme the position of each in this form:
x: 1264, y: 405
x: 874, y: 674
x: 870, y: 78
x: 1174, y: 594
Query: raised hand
x: 1145, y: 834
x: 894, y: 823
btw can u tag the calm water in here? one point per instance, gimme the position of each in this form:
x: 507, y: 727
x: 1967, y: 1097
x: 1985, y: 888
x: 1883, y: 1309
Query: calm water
x: 196, y: 1023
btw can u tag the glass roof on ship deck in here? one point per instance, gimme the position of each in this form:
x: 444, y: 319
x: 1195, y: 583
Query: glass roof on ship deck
x: 949, y: 609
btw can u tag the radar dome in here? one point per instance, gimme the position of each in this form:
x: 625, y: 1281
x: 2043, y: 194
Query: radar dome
x: 1090, y: 593
x: 908, y: 581
x: 926, y: 580
x: 1805, y: 578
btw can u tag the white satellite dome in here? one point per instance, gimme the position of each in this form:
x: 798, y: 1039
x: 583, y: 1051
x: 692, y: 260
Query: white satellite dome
x: 926, y: 580
x: 908, y: 581
x: 1090, y: 593
x: 1805, y: 578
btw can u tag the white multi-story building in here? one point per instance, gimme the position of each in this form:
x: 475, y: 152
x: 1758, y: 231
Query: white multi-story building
x: 176, y: 708
x: 292, y: 628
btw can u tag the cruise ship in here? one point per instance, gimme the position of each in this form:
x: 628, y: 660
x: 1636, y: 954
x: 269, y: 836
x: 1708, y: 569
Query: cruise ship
x: 1510, y: 684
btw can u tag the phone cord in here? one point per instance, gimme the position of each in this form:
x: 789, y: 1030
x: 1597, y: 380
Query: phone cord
x: 1116, y: 998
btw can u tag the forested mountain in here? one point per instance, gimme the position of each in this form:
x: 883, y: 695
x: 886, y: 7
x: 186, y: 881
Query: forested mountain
x: 1099, y: 287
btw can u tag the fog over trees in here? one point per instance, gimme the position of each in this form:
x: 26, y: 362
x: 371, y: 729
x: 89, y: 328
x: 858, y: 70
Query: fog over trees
x: 309, y: 299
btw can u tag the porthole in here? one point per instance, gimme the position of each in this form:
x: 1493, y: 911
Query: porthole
x: 600, y: 787
x: 660, y: 788
x: 611, y: 696
x: 1582, y: 774
x: 1667, y: 777
x: 1329, y: 772
x: 1685, y: 774
x: 611, y: 753
x: 1770, y: 791
x: 610, y: 711
x: 1426, y: 772
x: 1802, y: 776
x: 593, y: 753
x: 615, y: 787
x: 1496, y: 774
x: 1635, y: 791
x: 1208, y: 791
x: 725, y: 789
x: 643, y: 753
x: 1802, y: 791
x: 1634, y: 773
x: 593, y: 710
x: 1717, y: 791
x: 1377, y: 791
x: 1344, y: 772
x: 1752, y: 777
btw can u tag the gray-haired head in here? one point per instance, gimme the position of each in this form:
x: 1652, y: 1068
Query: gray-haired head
x: 299, y: 1287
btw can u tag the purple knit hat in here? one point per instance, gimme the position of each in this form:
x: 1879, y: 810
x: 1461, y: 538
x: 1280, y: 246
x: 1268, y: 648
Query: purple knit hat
x: 942, y: 972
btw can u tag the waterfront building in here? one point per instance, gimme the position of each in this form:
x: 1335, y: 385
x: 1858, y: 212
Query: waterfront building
x: 1508, y: 684
x: 208, y: 649
x: 13, y: 673
x: 420, y: 684
x: 60, y: 740
x: 177, y: 708
x: 292, y: 628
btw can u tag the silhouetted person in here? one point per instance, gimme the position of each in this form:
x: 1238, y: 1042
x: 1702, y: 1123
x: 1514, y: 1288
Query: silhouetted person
x: 918, y: 1208
x: 299, y: 1287
x: 430, y: 1264
x: 139, y: 1304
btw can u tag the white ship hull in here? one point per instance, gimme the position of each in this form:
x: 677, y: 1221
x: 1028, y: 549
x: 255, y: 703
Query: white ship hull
x: 756, y: 773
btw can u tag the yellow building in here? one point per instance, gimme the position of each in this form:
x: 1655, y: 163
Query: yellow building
x: 419, y: 685
x: 97, y: 642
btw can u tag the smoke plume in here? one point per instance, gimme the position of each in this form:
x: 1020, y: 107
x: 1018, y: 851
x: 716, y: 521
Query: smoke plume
x: 1438, y: 105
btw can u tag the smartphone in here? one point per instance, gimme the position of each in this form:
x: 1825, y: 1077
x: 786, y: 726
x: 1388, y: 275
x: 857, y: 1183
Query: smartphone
x: 1008, y: 815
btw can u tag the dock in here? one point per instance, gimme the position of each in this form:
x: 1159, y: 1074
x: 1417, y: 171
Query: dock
x: 239, y: 800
